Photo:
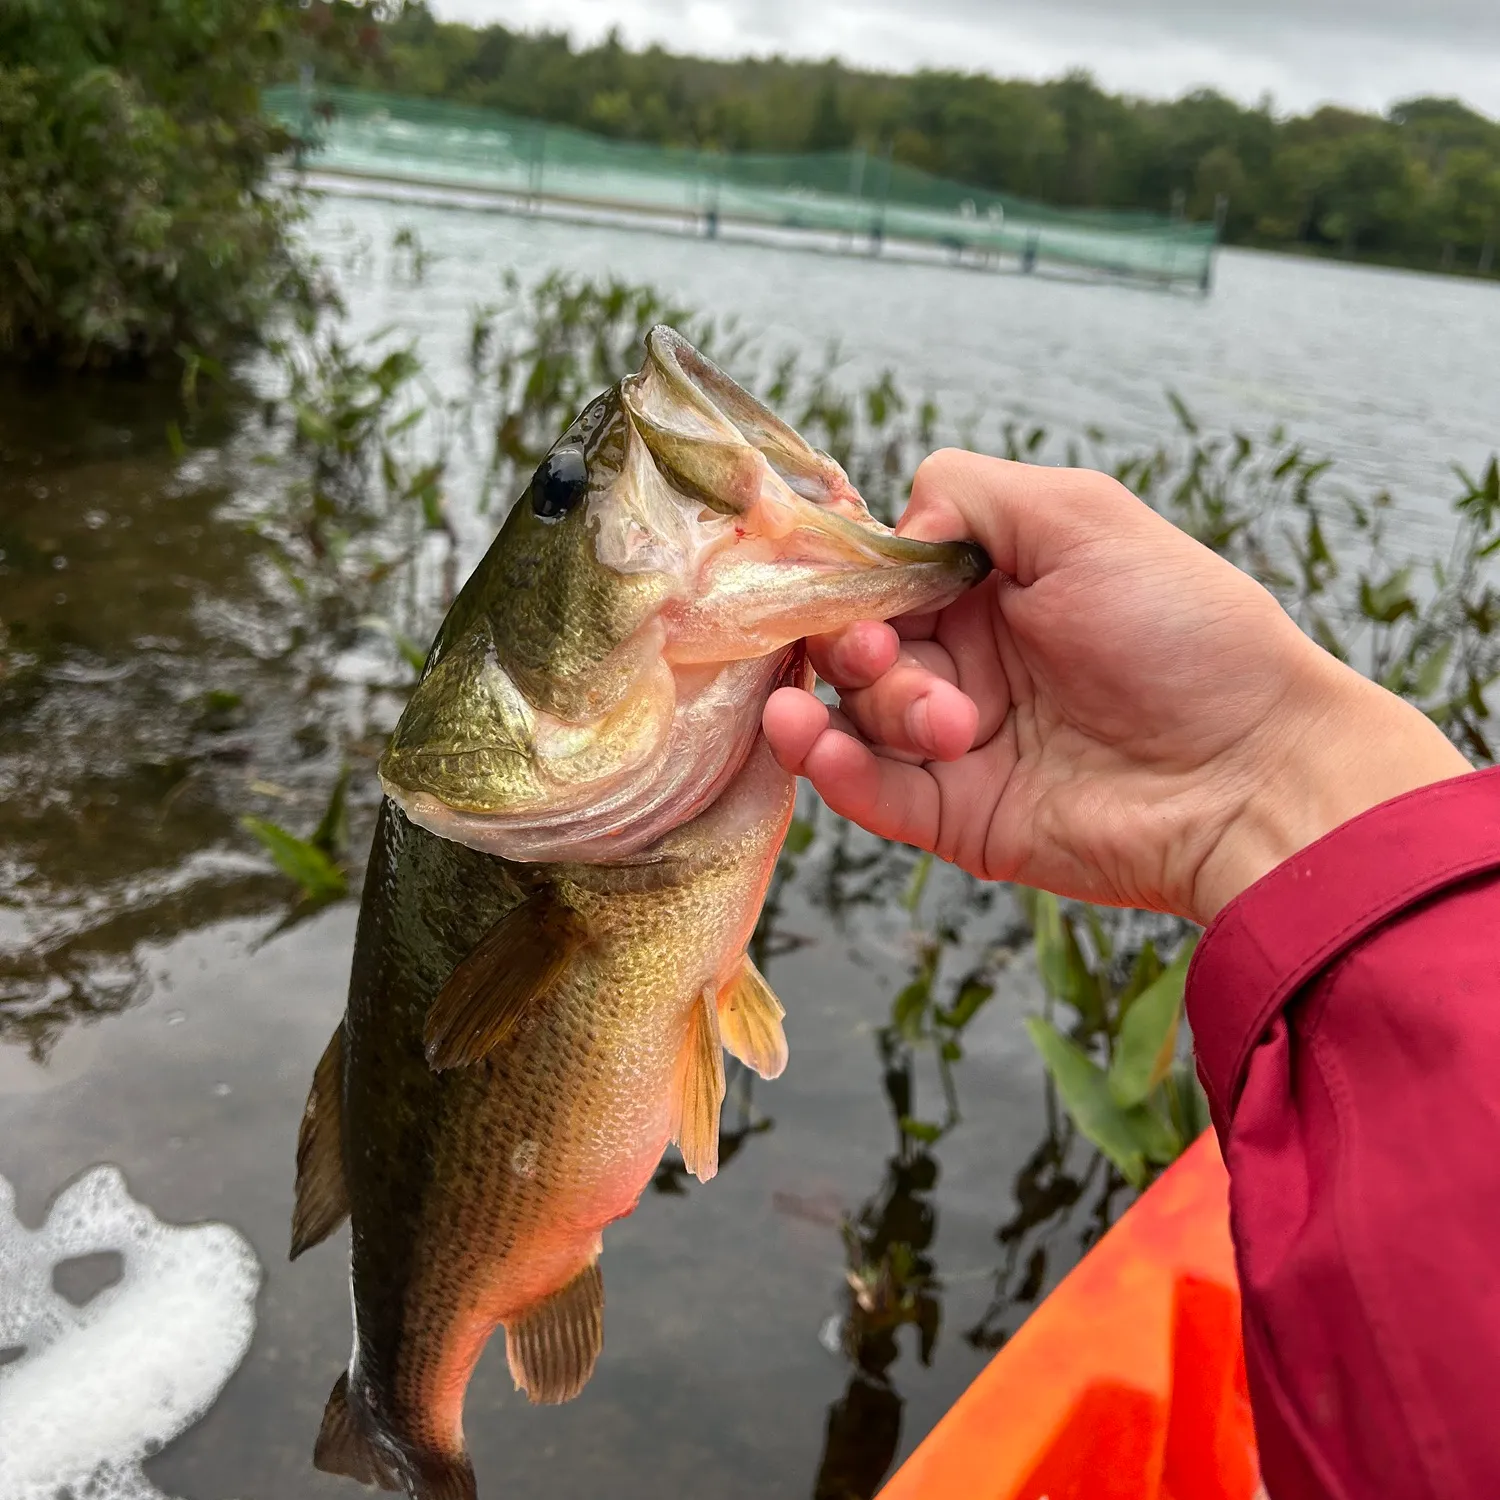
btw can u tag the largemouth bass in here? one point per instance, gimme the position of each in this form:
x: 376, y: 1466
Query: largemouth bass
x: 581, y: 819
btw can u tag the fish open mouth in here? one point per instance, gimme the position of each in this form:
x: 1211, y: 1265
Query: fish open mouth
x: 803, y: 556
x: 736, y: 539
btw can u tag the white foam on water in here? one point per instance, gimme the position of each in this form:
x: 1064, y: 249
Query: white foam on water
x: 103, y: 1386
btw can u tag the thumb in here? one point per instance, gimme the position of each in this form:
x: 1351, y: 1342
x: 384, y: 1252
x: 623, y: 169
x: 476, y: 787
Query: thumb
x: 1026, y: 516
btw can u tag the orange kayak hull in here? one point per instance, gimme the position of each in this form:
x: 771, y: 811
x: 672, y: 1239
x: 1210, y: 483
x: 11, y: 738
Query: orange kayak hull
x: 1127, y: 1383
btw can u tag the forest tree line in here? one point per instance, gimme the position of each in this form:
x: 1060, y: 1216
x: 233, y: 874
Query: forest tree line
x: 1418, y: 185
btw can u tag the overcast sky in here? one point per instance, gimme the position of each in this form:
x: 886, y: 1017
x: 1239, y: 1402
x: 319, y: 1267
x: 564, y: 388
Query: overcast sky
x: 1365, y: 53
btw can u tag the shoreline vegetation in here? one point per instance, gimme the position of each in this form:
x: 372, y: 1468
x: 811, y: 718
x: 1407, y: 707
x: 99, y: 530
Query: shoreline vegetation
x: 138, y: 217
x: 1417, y: 187
x: 140, y: 214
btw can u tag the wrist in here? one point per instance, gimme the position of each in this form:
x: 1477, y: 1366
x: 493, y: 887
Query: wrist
x: 1343, y: 746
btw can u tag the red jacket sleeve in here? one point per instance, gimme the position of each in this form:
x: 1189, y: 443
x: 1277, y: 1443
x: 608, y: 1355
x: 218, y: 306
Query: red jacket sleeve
x: 1346, y: 1015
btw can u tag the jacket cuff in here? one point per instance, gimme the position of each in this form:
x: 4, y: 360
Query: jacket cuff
x: 1277, y: 936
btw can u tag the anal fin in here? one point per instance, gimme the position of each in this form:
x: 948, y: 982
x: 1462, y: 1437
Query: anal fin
x: 509, y: 970
x: 322, y: 1195
x: 552, y: 1349
x: 750, y: 1022
x: 698, y: 1089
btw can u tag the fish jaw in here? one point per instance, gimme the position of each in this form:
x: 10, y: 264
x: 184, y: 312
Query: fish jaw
x: 759, y: 594
x: 804, y: 556
x: 658, y: 759
x: 706, y: 740
x: 716, y: 539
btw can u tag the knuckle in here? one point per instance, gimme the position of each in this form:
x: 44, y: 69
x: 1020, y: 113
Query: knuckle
x: 938, y: 467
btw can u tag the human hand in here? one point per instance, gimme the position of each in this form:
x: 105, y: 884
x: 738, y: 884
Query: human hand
x: 1116, y: 713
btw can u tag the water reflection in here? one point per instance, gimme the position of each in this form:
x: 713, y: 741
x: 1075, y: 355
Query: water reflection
x: 893, y: 1280
x: 1047, y: 1190
x: 956, y: 960
x: 107, y: 785
x: 145, y: 681
x: 891, y: 1284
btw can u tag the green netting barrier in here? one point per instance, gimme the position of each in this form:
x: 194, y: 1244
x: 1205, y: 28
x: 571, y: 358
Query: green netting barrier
x: 866, y: 199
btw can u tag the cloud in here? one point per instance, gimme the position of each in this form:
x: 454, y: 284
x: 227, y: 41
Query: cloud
x: 1364, y: 53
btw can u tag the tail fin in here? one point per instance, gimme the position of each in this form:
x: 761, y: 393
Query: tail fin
x: 435, y: 1477
x: 343, y: 1447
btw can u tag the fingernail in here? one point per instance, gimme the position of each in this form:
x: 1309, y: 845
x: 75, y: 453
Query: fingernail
x: 919, y: 723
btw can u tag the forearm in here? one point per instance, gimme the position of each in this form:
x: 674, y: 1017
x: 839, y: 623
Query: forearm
x: 1347, y: 1016
x: 1337, y: 746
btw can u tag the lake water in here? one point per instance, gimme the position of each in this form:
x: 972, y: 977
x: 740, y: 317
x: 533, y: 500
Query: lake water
x: 156, y: 1013
x: 1390, y: 374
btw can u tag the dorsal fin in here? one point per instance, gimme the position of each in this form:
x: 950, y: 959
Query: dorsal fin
x: 698, y: 1089
x: 322, y: 1196
x: 508, y: 970
x: 551, y: 1350
x: 750, y: 1022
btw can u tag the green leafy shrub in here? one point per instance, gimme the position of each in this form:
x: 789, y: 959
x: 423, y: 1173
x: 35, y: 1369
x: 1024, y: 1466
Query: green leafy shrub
x: 1419, y: 185
x: 136, y: 215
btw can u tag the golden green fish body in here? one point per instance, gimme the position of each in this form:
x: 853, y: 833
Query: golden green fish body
x: 479, y: 1191
x: 581, y: 820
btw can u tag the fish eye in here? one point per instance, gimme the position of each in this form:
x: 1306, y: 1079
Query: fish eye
x: 560, y: 482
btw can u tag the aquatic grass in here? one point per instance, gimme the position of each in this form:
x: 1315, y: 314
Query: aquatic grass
x: 544, y: 350
x: 316, y: 864
x: 300, y: 860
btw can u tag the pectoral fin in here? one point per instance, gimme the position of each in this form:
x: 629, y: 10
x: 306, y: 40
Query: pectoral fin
x: 698, y: 1090
x: 552, y: 1349
x: 509, y: 970
x: 750, y: 1022
x: 322, y: 1197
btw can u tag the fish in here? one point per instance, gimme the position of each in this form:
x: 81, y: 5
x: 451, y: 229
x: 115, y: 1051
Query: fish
x: 579, y: 823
